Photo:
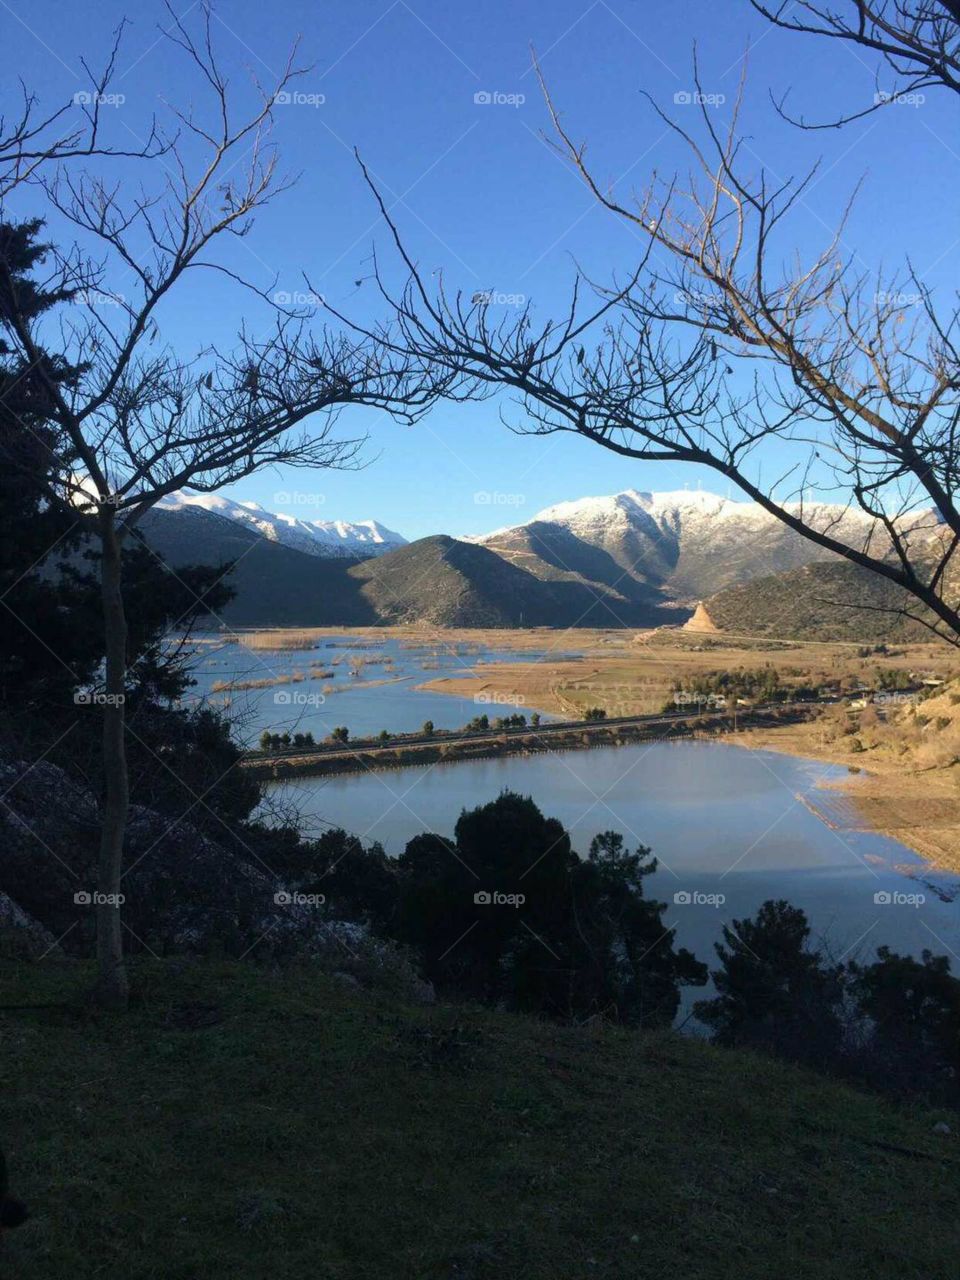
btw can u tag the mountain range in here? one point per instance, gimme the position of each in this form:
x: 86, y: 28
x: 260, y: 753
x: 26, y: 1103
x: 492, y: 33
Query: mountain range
x: 629, y: 559
x: 315, y: 537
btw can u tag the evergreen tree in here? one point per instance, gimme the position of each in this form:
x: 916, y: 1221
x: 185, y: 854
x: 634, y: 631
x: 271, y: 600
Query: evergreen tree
x: 774, y: 991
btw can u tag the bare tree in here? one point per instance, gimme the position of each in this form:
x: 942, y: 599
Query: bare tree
x: 31, y: 139
x: 140, y: 421
x: 714, y: 349
x: 918, y: 41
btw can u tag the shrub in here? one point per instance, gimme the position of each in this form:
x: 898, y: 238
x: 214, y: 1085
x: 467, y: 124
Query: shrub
x: 912, y: 1040
x: 774, y: 991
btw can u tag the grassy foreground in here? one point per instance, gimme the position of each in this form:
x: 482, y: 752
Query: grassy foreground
x: 245, y: 1124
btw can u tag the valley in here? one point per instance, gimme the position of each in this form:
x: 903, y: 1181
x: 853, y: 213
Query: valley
x: 395, y: 679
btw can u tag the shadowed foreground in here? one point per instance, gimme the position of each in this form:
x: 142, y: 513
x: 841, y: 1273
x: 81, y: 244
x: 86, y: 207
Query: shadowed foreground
x: 244, y: 1124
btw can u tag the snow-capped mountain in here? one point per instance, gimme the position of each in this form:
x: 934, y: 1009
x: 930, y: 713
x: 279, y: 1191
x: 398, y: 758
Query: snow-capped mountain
x: 686, y: 543
x: 631, y: 559
x: 315, y: 537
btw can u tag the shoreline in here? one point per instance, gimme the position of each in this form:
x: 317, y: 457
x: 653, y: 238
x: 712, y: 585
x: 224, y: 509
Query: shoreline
x: 629, y: 673
x: 369, y: 755
x: 919, y: 808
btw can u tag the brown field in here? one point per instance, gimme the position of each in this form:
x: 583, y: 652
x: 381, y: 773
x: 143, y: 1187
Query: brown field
x: 634, y: 672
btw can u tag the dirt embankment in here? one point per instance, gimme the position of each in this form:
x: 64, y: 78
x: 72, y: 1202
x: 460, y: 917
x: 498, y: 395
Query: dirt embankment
x: 918, y: 806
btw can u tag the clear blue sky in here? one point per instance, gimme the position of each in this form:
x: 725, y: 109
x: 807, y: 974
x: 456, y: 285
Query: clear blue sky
x: 479, y: 195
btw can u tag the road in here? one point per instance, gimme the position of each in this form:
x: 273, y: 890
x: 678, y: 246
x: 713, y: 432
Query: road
x: 554, y: 728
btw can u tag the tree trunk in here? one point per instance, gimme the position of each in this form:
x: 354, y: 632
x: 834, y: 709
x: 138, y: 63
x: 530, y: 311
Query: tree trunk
x: 112, y: 989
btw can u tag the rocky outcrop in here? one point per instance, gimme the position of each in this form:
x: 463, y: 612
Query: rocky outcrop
x: 22, y: 937
x: 48, y: 843
x: 182, y: 891
x: 701, y: 621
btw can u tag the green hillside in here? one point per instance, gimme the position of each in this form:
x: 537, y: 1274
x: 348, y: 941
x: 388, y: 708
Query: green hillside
x: 826, y: 601
x: 245, y: 1124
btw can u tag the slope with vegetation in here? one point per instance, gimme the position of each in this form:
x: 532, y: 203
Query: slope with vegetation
x: 360, y: 1138
x: 828, y: 601
x: 905, y: 748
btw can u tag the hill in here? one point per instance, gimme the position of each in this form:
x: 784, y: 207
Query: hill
x: 438, y: 581
x: 828, y: 601
x: 276, y: 585
x: 237, y: 1123
x: 449, y: 583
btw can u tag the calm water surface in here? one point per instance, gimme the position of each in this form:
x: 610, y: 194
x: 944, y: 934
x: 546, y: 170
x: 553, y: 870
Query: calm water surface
x: 721, y: 819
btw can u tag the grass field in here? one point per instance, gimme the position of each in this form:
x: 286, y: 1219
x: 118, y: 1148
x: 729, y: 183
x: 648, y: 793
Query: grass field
x: 247, y: 1125
x: 634, y: 672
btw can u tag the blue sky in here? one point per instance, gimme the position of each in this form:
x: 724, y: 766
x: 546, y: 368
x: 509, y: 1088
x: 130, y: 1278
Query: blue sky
x: 479, y: 195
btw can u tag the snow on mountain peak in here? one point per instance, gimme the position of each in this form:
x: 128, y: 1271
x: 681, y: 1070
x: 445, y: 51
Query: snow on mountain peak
x: 630, y: 504
x: 315, y: 537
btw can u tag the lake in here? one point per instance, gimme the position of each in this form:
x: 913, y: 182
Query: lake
x: 368, y: 685
x: 730, y: 826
